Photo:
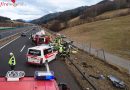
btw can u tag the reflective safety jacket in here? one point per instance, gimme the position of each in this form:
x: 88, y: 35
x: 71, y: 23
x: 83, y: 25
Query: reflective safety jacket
x: 61, y: 49
x: 58, y: 40
x: 12, y: 61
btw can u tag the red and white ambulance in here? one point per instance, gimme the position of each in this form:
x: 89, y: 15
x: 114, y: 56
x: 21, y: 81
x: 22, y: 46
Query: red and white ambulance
x: 40, y: 54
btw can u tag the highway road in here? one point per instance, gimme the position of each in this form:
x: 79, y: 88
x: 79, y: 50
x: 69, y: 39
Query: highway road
x: 19, y: 48
x: 6, y: 33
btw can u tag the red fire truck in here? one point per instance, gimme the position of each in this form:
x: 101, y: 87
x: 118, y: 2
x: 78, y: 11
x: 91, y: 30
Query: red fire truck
x: 40, y: 38
x: 42, y: 80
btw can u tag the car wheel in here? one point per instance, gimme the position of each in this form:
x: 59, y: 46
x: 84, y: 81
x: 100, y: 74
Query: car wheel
x: 41, y: 63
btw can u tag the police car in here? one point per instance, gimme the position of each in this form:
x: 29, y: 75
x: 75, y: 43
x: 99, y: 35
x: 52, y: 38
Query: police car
x: 40, y: 54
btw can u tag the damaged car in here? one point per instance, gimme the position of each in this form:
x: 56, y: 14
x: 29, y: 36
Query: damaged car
x: 116, y: 82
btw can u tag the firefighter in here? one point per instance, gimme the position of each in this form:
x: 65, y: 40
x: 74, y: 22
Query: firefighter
x: 58, y: 39
x: 57, y: 43
x: 61, y: 49
x: 12, y: 61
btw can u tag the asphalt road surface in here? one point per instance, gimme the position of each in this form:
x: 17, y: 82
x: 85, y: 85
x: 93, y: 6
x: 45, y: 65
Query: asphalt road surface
x: 6, y: 33
x: 19, y: 48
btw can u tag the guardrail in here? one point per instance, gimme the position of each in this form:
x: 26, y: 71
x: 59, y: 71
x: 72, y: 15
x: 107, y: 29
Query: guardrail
x: 86, y: 77
x: 7, y: 28
x: 11, y: 37
x: 105, y: 56
x: 8, y: 38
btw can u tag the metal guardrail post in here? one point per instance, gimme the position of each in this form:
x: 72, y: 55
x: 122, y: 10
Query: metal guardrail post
x: 104, y: 54
x: 129, y: 68
x: 90, y: 48
x: 91, y: 83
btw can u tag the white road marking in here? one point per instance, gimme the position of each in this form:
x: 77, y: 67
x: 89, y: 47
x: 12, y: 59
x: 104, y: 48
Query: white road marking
x: 22, y: 48
x: 9, y: 43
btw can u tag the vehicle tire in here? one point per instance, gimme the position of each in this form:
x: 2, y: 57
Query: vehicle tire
x: 41, y: 63
x: 56, y: 57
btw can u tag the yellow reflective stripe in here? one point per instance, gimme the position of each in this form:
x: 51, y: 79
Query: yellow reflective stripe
x: 12, y: 61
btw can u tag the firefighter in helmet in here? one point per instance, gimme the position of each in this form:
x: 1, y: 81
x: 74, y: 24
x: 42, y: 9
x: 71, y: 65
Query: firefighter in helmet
x: 12, y: 61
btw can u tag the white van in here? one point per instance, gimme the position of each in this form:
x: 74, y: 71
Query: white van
x: 39, y: 54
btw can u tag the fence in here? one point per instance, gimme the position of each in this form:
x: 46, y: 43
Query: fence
x: 103, y: 55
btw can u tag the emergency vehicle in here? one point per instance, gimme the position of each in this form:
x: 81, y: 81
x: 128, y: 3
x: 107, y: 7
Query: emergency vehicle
x: 40, y: 38
x: 42, y: 80
x: 39, y: 54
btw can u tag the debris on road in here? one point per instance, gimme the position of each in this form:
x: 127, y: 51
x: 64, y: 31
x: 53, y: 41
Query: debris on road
x: 97, y: 71
x: 116, y: 82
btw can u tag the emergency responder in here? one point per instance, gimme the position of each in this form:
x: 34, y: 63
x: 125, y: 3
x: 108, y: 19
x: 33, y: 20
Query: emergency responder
x: 57, y: 43
x: 61, y: 49
x: 12, y: 61
x: 58, y: 39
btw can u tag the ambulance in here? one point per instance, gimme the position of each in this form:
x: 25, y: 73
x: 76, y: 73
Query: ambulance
x: 39, y: 54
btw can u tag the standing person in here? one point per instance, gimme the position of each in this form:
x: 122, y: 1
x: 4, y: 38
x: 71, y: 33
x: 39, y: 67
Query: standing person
x: 12, y: 61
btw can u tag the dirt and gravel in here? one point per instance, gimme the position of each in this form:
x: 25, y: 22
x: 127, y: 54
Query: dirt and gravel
x: 94, y: 68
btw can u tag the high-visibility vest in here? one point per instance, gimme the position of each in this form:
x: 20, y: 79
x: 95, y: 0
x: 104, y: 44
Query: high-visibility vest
x: 60, y: 49
x: 12, y: 61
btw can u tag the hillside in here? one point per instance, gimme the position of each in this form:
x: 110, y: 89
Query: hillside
x: 4, y: 19
x: 7, y: 22
x: 113, y: 35
x: 61, y: 20
x: 61, y: 16
x: 106, y: 15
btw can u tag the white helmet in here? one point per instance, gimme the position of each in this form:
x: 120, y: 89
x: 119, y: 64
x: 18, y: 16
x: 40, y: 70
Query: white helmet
x: 58, y: 34
x: 11, y: 54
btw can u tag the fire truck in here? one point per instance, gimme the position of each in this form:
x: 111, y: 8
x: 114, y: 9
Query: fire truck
x: 40, y: 38
x: 42, y: 80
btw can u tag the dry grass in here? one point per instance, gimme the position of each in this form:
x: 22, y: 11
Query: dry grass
x: 114, y: 13
x: 106, y: 15
x: 113, y: 35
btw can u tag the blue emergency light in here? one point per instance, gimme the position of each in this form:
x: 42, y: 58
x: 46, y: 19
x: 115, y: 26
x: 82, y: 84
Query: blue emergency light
x: 43, y: 75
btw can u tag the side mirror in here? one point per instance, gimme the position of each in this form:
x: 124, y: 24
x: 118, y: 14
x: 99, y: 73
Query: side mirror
x: 63, y: 86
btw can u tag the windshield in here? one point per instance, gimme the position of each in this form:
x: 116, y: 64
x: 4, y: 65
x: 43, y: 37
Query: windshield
x: 34, y: 52
x: 41, y: 39
x: 47, y: 51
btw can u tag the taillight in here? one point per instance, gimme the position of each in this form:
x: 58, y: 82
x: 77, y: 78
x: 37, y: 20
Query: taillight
x: 41, y: 58
x: 26, y: 55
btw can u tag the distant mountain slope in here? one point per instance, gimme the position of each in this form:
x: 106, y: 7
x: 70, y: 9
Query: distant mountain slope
x: 20, y: 20
x: 60, y: 20
x: 61, y: 16
x: 4, y: 19
x: 45, y: 18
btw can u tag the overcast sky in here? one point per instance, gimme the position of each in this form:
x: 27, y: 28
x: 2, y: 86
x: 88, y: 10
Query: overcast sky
x: 32, y: 9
